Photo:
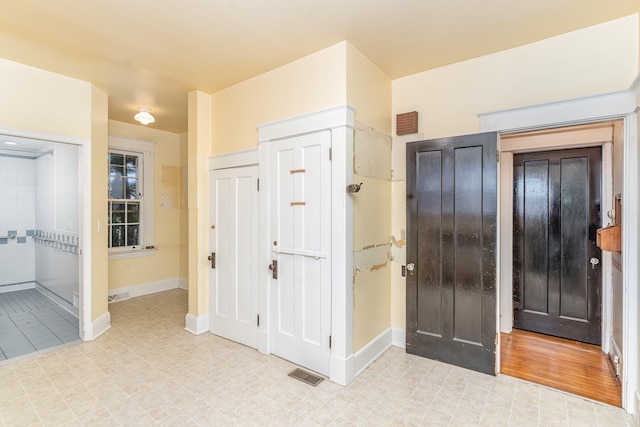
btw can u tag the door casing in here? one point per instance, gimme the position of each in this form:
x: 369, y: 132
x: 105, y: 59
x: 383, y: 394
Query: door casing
x: 591, y: 109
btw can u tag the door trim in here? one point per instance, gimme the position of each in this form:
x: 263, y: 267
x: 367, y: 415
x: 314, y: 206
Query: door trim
x: 615, y: 105
x: 340, y: 121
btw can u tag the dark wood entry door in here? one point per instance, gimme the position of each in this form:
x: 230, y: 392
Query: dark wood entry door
x: 556, y: 263
x: 451, y: 245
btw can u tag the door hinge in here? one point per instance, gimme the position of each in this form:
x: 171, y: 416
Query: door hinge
x: 258, y: 184
x: 258, y: 320
x: 330, y: 153
x: 498, y: 156
x: 212, y: 258
x: 329, y: 341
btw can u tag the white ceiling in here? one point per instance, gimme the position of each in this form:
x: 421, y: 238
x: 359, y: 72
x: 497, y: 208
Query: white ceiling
x: 146, y: 53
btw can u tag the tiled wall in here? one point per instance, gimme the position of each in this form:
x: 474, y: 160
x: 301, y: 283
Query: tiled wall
x: 17, y: 217
x: 56, y: 251
x: 40, y: 253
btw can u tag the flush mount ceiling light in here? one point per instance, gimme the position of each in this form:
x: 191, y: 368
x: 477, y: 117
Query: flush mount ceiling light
x: 10, y: 143
x: 144, y: 117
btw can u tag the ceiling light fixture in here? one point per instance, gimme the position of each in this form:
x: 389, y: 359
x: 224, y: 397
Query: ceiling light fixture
x: 10, y: 143
x: 144, y: 117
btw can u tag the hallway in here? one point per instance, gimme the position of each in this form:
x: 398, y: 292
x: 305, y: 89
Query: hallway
x: 147, y: 370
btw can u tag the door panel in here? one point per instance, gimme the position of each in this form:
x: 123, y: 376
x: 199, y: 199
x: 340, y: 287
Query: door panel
x: 233, y: 238
x: 300, y: 181
x: 556, y: 214
x: 451, y: 223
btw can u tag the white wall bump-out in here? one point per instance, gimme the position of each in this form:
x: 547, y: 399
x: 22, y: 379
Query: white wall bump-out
x: 197, y: 325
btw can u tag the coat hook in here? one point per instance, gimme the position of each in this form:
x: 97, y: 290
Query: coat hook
x: 353, y: 188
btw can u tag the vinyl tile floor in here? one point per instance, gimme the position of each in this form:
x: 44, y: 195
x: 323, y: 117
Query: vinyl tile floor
x: 147, y: 371
x: 31, y: 322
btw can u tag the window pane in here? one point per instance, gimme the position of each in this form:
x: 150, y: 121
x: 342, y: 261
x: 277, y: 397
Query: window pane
x: 132, y: 213
x: 116, y: 188
x: 117, y: 236
x: 132, y: 188
x: 132, y: 161
x: 117, y: 213
x: 132, y: 166
x: 132, y: 235
x: 116, y: 159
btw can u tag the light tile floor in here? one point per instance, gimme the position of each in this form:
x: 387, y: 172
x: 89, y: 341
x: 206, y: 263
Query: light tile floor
x: 30, y: 322
x: 147, y: 370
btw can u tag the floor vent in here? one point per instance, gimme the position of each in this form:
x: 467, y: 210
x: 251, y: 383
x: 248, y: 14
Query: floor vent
x: 119, y: 297
x: 306, y: 377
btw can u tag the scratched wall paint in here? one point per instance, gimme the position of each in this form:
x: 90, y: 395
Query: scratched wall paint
x: 170, y: 187
x: 371, y: 235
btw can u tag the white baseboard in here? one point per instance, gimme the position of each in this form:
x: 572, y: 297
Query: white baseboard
x: 19, y: 287
x: 341, y: 370
x: 370, y: 352
x: 197, y: 325
x: 183, y: 283
x: 636, y: 409
x: 146, y: 288
x: 55, y: 298
x: 614, y: 351
x: 93, y: 330
x: 399, y: 338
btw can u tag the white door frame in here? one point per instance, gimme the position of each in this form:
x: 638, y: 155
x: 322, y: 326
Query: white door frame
x: 341, y: 122
x: 615, y: 105
x: 87, y: 328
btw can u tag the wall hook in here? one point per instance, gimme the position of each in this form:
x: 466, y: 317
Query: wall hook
x: 353, y: 188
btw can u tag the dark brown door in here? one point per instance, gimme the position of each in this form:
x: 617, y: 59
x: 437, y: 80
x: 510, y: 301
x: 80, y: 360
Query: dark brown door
x: 451, y: 245
x: 556, y: 263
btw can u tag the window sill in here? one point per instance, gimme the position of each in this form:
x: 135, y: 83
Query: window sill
x: 132, y: 254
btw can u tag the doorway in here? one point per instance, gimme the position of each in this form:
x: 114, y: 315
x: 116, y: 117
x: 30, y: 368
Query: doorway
x: 39, y: 245
x: 537, y: 157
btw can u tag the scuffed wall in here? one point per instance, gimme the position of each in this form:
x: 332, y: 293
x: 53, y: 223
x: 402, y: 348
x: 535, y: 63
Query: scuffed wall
x: 371, y: 235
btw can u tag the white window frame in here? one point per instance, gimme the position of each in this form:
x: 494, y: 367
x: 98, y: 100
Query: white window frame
x: 146, y: 150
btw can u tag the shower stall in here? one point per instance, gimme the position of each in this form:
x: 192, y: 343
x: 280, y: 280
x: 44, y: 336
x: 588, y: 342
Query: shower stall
x: 39, y: 245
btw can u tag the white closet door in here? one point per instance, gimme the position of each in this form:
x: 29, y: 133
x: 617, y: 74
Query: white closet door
x: 233, y: 237
x: 300, y: 181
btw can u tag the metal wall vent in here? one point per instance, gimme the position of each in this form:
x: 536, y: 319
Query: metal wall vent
x: 306, y: 377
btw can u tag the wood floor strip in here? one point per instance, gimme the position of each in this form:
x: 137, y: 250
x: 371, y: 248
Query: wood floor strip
x: 566, y: 365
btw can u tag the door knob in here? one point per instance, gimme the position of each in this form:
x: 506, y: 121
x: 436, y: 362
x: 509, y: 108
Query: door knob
x: 594, y: 261
x: 410, y: 267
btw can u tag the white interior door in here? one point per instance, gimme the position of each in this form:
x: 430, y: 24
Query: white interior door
x: 300, y: 197
x: 233, y: 278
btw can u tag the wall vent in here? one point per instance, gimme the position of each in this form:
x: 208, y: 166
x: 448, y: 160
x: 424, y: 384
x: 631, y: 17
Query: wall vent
x: 407, y: 123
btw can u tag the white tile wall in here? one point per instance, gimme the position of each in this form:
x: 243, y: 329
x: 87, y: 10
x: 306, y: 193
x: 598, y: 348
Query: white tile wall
x: 17, y: 212
x: 56, y: 266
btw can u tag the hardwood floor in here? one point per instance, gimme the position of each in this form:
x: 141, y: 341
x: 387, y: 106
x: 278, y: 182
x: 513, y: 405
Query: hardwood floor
x: 566, y: 365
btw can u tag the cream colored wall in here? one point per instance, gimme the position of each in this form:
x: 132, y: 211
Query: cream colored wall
x: 42, y: 101
x: 369, y: 91
x: 164, y: 264
x: 184, y: 211
x: 308, y: 84
x: 198, y: 147
x: 449, y: 98
x: 99, y: 191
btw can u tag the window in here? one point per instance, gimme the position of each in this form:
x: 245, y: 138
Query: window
x: 130, y: 198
